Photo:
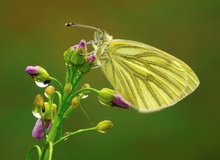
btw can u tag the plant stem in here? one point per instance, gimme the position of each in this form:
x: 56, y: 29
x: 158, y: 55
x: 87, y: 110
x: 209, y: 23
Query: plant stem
x: 58, y: 83
x: 31, y: 150
x: 82, y: 90
x: 47, y: 153
x: 44, y: 128
x: 74, y: 133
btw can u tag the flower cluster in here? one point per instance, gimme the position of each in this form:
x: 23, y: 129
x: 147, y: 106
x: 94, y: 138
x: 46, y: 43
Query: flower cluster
x: 77, y: 55
x: 51, y: 113
x: 44, y: 112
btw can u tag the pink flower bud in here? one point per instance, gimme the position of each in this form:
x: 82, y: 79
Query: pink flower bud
x: 38, y: 131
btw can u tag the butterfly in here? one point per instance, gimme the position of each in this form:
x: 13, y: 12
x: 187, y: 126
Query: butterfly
x: 147, y: 77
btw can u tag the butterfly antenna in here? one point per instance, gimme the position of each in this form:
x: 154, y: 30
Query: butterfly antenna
x: 82, y: 25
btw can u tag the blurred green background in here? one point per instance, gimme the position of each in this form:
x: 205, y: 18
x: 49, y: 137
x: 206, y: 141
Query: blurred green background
x: 33, y: 33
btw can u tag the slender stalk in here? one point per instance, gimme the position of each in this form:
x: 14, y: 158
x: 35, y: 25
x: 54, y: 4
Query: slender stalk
x: 67, y: 73
x: 77, y: 80
x: 74, y: 74
x: 47, y: 152
x: 44, y: 129
x: 59, y: 97
x: 58, y: 83
x: 31, y: 150
x: 82, y: 90
x: 50, y: 151
x: 74, y: 133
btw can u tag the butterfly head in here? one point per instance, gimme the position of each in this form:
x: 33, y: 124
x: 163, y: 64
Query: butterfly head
x: 101, y: 38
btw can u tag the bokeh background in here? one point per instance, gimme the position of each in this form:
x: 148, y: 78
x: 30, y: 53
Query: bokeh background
x: 33, y: 33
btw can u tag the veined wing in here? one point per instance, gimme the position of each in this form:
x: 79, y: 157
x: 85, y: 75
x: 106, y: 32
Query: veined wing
x: 148, y: 78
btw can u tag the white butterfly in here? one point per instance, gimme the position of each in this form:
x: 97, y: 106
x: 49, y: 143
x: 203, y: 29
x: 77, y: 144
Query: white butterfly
x: 148, y: 78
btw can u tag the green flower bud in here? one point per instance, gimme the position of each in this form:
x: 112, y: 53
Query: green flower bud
x: 47, y: 110
x: 86, y: 85
x: 76, y: 54
x: 38, y: 106
x: 104, y: 126
x: 68, y: 88
x: 111, y: 98
x: 49, y: 91
x: 79, y: 53
x: 77, y: 59
x: 67, y: 55
x: 75, y: 101
x: 39, y: 74
x: 90, y: 61
x: 105, y: 96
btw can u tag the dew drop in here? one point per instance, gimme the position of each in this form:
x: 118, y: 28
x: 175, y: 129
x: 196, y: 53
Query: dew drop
x: 65, y: 139
x: 85, y: 96
x: 46, y: 94
x: 41, y: 84
x: 65, y: 134
x: 105, y: 104
x: 37, y: 115
x: 101, y: 131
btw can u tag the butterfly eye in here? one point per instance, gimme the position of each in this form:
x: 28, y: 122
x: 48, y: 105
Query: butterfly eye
x: 101, y: 36
x: 98, y: 36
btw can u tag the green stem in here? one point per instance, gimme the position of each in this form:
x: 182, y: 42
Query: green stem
x: 58, y: 83
x: 44, y: 129
x: 59, y: 99
x: 74, y: 74
x: 59, y: 96
x: 54, y: 128
x: 31, y: 150
x: 47, y: 152
x: 60, y: 132
x: 74, y: 133
x: 67, y: 73
x: 50, y: 151
x: 82, y: 90
x: 51, y: 110
x: 77, y: 81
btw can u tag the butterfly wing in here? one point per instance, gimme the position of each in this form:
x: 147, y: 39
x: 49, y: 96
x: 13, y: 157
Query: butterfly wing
x: 148, y: 78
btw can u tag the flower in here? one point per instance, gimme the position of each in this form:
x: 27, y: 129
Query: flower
x: 43, y: 109
x: 81, y: 45
x: 38, y: 106
x: 49, y: 110
x: 68, y: 88
x: 49, y: 91
x: 38, y: 131
x: 39, y: 74
x: 104, y: 126
x: 32, y: 70
x: 91, y: 58
x: 111, y: 98
x: 90, y: 61
x: 120, y: 102
x: 76, y: 54
x: 75, y: 101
